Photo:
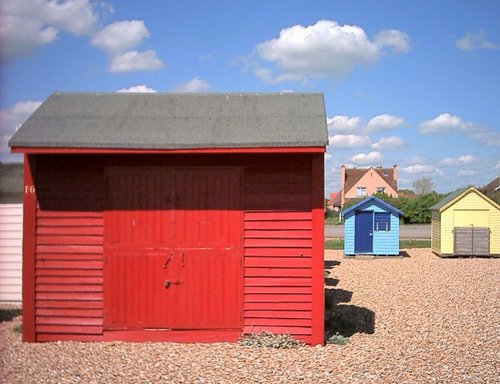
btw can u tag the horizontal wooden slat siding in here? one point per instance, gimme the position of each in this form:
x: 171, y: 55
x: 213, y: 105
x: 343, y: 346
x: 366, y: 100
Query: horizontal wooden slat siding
x: 278, y: 290
x: 11, y: 234
x: 69, y: 273
x: 278, y: 262
x: 278, y: 249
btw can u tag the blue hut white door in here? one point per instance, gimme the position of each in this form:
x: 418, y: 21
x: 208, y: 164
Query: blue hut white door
x: 363, y: 232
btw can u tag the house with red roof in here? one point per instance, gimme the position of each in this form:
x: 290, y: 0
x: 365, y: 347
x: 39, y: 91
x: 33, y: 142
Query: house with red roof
x: 358, y: 183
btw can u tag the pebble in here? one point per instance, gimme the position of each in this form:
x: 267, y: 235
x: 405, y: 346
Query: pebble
x: 417, y: 319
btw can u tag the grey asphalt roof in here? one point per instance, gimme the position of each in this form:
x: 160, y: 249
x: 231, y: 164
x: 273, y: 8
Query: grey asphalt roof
x: 452, y: 196
x: 377, y: 201
x: 175, y: 121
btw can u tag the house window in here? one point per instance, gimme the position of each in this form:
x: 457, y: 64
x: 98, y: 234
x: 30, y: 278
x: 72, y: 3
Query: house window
x: 361, y: 191
x: 380, y: 189
x: 382, y: 221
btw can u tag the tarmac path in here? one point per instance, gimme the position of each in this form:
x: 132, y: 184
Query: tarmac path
x: 414, y: 231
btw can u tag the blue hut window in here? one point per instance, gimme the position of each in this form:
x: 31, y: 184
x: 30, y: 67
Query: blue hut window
x: 382, y: 221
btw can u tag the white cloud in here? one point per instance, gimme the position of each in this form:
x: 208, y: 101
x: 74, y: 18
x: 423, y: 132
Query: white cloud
x: 384, y: 122
x: 348, y: 141
x: 472, y: 41
x: 192, y: 86
x: 120, y: 36
x: 135, y: 61
x: 343, y: 123
x: 421, y: 169
x: 10, y: 120
x: 389, y: 142
x: 118, y: 39
x: 416, y: 160
x: 367, y: 158
x: 446, y: 122
x: 461, y: 160
x: 466, y: 172
x: 138, y: 88
x: 393, y: 38
x: 324, y: 49
x: 327, y: 157
x: 28, y: 24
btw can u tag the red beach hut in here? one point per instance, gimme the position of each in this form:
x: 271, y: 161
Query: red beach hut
x: 173, y: 217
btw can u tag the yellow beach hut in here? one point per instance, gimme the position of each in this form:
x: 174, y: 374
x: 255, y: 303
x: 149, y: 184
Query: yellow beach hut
x: 466, y: 223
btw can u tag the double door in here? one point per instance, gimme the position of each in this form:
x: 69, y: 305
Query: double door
x: 173, y: 248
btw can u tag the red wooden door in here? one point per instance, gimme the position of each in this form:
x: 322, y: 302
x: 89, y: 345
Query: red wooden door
x: 173, y: 248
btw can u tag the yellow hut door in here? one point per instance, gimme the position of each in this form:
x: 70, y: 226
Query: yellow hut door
x: 471, y: 232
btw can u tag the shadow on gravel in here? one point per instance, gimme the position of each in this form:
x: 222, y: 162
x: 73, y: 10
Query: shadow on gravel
x: 8, y: 314
x: 341, y: 318
x: 404, y: 254
x: 331, y: 263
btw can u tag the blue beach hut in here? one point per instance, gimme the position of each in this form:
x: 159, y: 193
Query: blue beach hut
x: 371, y: 227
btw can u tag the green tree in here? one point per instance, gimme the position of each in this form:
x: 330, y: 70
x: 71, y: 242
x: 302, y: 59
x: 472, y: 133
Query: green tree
x: 416, y: 211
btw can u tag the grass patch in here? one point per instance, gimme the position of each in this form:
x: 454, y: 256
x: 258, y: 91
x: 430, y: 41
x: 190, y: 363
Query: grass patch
x: 338, y: 244
x: 334, y: 244
x: 337, y: 339
x: 414, y: 243
x: 332, y: 220
x: 18, y: 328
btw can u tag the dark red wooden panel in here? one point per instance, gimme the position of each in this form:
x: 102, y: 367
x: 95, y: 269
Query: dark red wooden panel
x: 278, y: 281
x: 69, y: 257
x: 278, y: 290
x: 70, y: 304
x: 69, y: 264
x: 291, y: 307
x: 278, y: 225
x: 134, y: 291
x: 273, y: 314
x: 278, y: 248
x: 69, y: 329
x: 278, y: 252
x: 277, y: 272
x: 181, y: 225
x: 277, y: 322
x: 274, y: 215
x: 278, y: 262
x: 73, y: 264
x: 294, y: 331
x: 278, y: 243
x: 69, y: 272
x: 75, y: 231
x: 278, y: 234
x: 68, y: 239
x: 69, y: 312
x: 71, y: 280
x: 81, y: 321
x: 96, y: 249
x: 70, y: 296
x: 277, y: 298
x: 209, y: 295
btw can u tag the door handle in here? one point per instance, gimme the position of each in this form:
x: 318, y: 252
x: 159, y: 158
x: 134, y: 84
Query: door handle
x: 167, y: 283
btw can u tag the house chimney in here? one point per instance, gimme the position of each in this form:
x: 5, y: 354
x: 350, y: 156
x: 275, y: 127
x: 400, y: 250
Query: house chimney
x: 342, y: 185
x: 395, y: 172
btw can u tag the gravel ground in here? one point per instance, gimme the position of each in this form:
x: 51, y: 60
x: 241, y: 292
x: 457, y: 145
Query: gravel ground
x: 417, y: 319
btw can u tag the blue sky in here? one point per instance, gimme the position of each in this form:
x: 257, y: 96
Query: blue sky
x: 416, y: 83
